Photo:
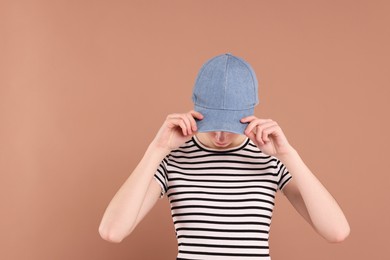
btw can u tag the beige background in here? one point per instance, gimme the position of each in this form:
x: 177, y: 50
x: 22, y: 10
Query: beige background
x: 85, y: 85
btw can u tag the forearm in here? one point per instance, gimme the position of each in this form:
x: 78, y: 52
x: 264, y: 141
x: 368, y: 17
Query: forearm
x: 325, y: 213
x: 121, y: 213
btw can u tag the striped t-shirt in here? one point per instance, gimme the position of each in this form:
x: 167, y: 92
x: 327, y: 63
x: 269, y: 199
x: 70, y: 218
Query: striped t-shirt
x: 221, y: 200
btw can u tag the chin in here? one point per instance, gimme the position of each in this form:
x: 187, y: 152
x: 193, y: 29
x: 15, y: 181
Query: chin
x: 222, y: 145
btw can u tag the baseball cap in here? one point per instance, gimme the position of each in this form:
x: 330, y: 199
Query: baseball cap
x: 225, y: 91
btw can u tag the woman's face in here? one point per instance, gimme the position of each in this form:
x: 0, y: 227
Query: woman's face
x: 220, y: 140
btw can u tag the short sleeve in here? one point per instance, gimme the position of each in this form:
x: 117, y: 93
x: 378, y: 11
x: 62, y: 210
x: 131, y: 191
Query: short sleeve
x: 284, y: 175
x: 161, y: 176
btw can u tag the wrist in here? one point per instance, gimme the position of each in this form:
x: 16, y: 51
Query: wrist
x: 158, y: 150
x: 290, y: 152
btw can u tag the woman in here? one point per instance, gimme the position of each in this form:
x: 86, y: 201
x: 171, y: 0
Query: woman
x: 221, y: 167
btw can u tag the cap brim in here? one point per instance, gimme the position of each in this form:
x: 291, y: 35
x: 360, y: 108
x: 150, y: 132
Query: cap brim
x: 222, y: 120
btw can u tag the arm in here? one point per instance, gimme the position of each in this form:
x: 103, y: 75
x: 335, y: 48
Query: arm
x: 139, y: 193
x: 305, y: 191
x: 119, y: 219
x: 311, y: 199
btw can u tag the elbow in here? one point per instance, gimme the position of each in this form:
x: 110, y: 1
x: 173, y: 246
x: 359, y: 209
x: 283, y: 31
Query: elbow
x: 341, y: 235
x: 111, y: 238
x: 110, y: 235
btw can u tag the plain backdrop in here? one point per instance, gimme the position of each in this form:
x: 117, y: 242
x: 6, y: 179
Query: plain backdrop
x: 85, y: 85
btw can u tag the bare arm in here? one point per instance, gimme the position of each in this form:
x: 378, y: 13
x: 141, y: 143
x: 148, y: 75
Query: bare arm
x: 326, y: 216
x: 119, y: 218
x: 306, y: 193
x: 126, y: 209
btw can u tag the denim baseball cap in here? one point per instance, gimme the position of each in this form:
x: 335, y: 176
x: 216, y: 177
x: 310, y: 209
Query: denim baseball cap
x: 225, y: 91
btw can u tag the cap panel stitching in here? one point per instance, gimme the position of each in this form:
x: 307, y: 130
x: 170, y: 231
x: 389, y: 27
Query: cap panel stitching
x: 194, y: 97
x: 225, y: 109
x: 253, y: 80
x: 226, y: 72
x: 228, y: 55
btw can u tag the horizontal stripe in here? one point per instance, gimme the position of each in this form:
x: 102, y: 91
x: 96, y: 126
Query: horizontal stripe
x: 222, y: 230
x: 222, y: 187
x: 223, y: 246
x: 220, y: 193
x: 196, y: 162
x: 224, y: 174
x: 220, y: 253
x: 218, y: 207
x: 214, y: 155
x: 240, y: 169
x: 285, y: 182
x: 221, y: 181
x: 219, y: 215
x: 222, y: 222
x: 222, y: 238
x: 221, y: 200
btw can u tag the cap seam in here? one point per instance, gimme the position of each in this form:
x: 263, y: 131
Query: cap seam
x: 224, y: 107
x: 253, y: 81
x: 199, y: 76
x: 229, y: 109
x: 224, y: 91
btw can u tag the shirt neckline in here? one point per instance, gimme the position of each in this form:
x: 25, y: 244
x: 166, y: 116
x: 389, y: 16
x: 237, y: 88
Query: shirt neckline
x: 214, y: 150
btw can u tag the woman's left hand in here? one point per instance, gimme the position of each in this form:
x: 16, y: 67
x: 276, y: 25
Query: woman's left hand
x: 267, y: 135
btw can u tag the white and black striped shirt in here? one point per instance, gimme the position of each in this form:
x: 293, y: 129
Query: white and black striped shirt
x: 221, y: 200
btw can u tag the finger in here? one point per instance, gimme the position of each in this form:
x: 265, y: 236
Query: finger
x: 178, y: 122
x: 252, y: 136
x: 183, y: 127
x: 192, y: 121
x: 174, y: 116
x: 264, y: 125
x: 251, y: 118
x: 258, y: 135
x: 251, y: 132
x: 196, y: 114
x: 257, y: 121
x: 187, y: 122
x: 184, y: 118
x: 188, y: 119
x: 261, y: 128
x: 251, y: 126
x: 248, y: 119
x: 269, y: 131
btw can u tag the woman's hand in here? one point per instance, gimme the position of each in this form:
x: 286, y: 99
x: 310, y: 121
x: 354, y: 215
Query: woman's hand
x: 176, y: 130
x: 267, y: 135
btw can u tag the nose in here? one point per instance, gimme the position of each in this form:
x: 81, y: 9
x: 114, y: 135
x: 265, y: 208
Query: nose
x: 220, y: 136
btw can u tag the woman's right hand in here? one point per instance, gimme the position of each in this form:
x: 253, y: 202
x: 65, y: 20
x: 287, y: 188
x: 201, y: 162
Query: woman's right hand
x: 176, y: 130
